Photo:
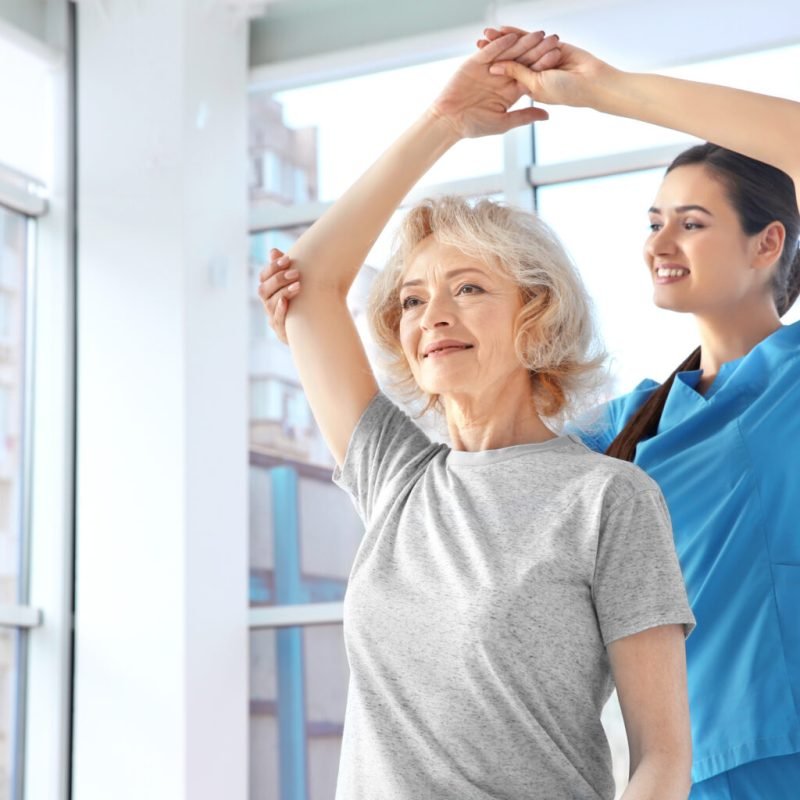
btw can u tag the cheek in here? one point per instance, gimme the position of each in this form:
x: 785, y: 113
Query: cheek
x: 408, y: 335
x: 498, y: 327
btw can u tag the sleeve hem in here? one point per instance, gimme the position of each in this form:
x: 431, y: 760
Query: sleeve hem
x: 637, y: 626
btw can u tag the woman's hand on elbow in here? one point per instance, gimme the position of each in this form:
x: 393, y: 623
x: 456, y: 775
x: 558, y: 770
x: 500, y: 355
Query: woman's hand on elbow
x: 278, y: 286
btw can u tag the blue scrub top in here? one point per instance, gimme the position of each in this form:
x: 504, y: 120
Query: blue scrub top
x: 728, y: 463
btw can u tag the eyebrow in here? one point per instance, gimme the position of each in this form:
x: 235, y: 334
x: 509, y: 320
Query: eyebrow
x: 451, y: 274
x: 682, y: 209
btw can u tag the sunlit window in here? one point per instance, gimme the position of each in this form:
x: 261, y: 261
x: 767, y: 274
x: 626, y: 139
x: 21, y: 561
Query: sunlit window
x: 332, y: 132
x: 603, y: 223
x: 573, y: 133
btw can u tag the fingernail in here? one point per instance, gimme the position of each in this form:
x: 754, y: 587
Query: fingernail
x: 282, y: 261
x: 291, y: 274
x: 496, y: 69
x: 293, y: 287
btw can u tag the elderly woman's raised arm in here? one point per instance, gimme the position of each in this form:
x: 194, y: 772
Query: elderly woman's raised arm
x: 327, y: 351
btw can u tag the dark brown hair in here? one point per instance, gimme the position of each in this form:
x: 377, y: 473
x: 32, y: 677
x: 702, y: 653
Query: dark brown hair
x: 760, y: 194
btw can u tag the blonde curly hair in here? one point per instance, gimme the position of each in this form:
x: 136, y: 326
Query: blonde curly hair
x: 555, y: 336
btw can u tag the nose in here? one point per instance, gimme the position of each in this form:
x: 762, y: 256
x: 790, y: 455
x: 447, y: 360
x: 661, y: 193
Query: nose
x: 438, y: 312
x: 661, y: 242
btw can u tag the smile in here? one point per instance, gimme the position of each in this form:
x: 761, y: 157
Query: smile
x: 446, y: 350
x: 670, y: 274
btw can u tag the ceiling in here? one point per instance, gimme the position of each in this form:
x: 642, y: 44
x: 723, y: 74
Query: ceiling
x: 296, y: 29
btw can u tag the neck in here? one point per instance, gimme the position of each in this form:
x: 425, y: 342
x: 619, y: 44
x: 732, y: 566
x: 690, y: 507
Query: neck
x: 502, y: 416
x: 730, y: 335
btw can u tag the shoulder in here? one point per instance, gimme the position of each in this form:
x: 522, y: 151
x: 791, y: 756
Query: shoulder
x: 600, y: 426
x: 619, y: 480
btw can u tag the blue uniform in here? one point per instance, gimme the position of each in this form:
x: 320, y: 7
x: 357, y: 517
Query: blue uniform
x: 728, y: 463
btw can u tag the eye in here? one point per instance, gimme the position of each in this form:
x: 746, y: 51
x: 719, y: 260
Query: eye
x: 691, y: 225
x: 469, y: 288
x: 410, y: 302
x: 655, y: 227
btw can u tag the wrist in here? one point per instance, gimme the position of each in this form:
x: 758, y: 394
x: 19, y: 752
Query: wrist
x: 608, y: 88
x: 443, y: 125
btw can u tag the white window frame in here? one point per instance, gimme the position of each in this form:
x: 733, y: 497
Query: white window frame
x: 42, y: 771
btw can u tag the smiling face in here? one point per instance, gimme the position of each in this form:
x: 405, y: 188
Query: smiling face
x: 700, y: 259
x: 457, y: 322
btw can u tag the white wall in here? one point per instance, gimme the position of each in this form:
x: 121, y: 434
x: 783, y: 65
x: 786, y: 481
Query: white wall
x: 161, y: 638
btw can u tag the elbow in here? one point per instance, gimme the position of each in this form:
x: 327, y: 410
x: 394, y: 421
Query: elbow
x: 316, y: 297
x: 667, y: 769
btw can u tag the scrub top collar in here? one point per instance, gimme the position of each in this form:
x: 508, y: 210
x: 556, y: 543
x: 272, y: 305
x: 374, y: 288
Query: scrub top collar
x: 751, y: 371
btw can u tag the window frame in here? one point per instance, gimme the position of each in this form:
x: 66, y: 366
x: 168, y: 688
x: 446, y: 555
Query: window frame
x: 44, y: 615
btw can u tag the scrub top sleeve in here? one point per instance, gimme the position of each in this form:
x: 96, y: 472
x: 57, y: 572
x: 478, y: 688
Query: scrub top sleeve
x: 598, y: 428
x: 385, y: 446
x: 637, y: 581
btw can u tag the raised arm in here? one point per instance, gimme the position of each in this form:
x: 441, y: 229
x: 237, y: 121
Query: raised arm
x: 327, y: 351
x: 650, y: 674
x: 760, y: 126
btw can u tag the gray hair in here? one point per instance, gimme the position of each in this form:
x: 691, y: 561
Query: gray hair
x: 555, y: 335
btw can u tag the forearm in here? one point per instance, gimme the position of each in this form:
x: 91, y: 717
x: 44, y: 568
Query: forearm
x: 332, y: 251
x: 660, y: 777
x: 762, y: 127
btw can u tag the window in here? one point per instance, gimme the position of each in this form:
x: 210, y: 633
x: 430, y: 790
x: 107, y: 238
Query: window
x: 597, y: 221
x: 35, y: 479
x: 13, y: 467
x: 298, y: 687
x: 311, y: 129
x: 564, y: 136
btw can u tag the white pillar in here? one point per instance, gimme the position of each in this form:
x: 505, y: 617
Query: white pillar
x: 161, y: 704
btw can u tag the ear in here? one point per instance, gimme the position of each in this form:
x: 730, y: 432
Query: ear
x: 769, y: 245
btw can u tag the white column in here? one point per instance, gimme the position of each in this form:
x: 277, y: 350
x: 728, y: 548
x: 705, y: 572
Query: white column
x: 161, y: 705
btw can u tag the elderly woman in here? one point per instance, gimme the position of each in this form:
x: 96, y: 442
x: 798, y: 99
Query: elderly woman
x: 508, y: 579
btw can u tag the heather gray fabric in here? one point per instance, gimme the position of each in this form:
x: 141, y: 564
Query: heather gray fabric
x: 478, y: 607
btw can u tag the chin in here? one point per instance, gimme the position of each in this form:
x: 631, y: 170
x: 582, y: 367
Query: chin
x: 670, y: 304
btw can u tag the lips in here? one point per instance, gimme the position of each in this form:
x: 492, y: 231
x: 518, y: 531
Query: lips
x: 670, y: 273
x: 671, y: 270
x: 444, y: 347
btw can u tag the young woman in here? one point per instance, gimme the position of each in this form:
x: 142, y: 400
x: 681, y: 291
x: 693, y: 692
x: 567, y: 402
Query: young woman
x: 505, y: 578
x: 722, y: 435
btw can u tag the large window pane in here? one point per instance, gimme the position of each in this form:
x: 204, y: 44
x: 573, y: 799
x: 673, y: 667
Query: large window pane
x: 581, y: 133
x: 310, y: 143
x: 13, y: 257
x: 26, y: 135
x: 304, y: 533
x: 298, y: 691
x: 603, y: 223
x: 9, y: 649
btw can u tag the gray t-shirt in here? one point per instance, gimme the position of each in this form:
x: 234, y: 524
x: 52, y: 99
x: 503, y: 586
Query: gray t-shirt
x: 480, y: 602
